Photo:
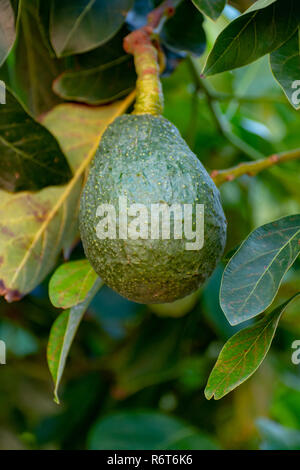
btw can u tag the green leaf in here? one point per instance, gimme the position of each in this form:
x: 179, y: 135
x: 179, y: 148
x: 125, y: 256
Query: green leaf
x: 242, y: 354
x: 258, y: 4
x: 260, y: 30
x: 277, y: 437
x: 83, y: 25
x: 146, y: 430
x: 99, y: 76
x: 211, y: 8
x: 34, y: 69
x: 98, y: 85
x: 105, y: 54
x: 285, y: 65
x: 62, y: 334
x: 34, y: 227
x: 7, y: 29
x: 253, y: 275
x: 70, y: 283
x: 189, y: 20
x: 31, y: 158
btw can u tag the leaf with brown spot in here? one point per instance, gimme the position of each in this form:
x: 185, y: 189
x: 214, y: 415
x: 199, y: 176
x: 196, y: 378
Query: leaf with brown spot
x: 41, y: 222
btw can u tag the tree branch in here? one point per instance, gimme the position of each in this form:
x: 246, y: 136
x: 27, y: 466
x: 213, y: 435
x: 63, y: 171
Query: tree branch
x: 249, y: 168
x: 220, y: 120
x: 252, y: 168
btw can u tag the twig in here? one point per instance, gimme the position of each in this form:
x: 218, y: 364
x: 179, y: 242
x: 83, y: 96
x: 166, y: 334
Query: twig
x: 220, y: 120
x: 248, y: 99
x: 249, y: 168
x: 157, y: 16
x: 252, y: 168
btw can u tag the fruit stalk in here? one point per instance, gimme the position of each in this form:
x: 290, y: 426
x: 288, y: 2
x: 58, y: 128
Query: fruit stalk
x: 149, y: 96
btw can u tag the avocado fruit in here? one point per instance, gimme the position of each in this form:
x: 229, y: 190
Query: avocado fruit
x: 176, y: 309
x: 144, y: 159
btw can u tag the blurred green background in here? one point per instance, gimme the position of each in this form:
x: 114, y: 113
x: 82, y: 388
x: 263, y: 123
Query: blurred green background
x: 135, y: 377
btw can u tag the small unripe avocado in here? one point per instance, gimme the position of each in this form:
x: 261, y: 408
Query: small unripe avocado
x: 144, y: 159
x: 176, y: 309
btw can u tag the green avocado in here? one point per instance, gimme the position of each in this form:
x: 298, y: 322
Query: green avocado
x: 142, y: 159
x: 176, y: 309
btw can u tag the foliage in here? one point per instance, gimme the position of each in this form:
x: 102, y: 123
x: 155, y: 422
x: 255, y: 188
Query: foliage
x: 136, y: 374
x: 29, y: 163
x: 7, y: 29
x: 261, y: 261
x: 243, y: 354
x: 148, y: 430
x: 63, y: 332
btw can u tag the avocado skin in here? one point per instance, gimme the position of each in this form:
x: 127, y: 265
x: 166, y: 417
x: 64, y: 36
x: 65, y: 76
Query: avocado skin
x: 144, y: 158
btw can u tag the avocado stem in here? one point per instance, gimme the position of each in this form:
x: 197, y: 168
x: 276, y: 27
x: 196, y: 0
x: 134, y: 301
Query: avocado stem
x: 147, y: 60
x: 149, y: 96
x: 157, y: 16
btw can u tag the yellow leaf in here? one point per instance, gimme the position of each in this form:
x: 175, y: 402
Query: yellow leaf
x: 35, y: 226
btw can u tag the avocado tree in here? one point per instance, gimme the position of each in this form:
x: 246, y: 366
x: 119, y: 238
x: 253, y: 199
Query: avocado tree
x: 85, y: 87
